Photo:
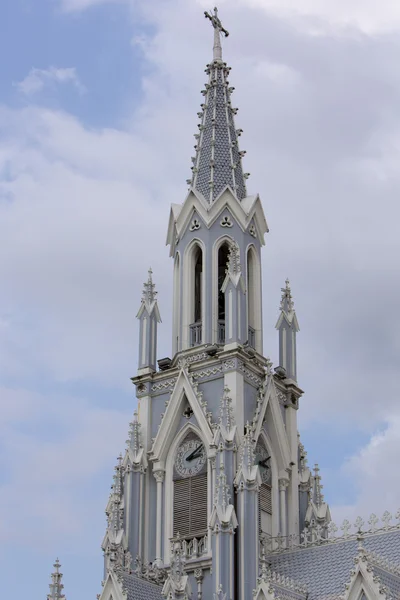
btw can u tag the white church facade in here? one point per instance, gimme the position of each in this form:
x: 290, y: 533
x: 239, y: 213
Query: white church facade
x: 213, y: 497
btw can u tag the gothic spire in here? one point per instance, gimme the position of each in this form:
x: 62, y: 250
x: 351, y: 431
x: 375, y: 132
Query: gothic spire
x: 218, y: 161
x: 56, y: 587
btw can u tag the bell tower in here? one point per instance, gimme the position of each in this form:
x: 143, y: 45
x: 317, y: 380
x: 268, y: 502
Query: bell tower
x: 210, y: 474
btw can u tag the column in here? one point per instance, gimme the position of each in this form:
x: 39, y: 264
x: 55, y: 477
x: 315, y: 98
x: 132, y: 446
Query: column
x: 283, y: 484
x: 159, y: 477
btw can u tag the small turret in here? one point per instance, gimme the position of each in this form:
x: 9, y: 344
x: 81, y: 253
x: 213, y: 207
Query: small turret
x: 56, y: 587
x: 149, y: 316
x: 288, y: 326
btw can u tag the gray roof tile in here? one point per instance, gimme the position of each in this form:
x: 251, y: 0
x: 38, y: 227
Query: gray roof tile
x: 326, y: 569
x: 140, y: 589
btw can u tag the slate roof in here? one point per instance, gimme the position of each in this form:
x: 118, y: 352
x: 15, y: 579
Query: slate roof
x: 326, y: 569
x: 140, y: 589
x: 217, y: 163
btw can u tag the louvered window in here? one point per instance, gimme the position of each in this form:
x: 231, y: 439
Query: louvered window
x: 264, y: 503
x: 190, y: 506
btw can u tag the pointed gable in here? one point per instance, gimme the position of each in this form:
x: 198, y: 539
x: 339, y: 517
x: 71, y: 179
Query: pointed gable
x: 183, y: 392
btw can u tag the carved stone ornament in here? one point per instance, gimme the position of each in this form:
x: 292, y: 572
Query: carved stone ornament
x: 159, y: 475
x: 195, y: 224
x: 226, y: 222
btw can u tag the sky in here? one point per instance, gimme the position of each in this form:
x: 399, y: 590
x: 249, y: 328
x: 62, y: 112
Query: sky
x: 98, y: 103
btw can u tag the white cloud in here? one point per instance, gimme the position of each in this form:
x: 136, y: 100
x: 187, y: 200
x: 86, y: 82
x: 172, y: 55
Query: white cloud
x: 55, y: 447
x: 358, y: 14
x: 83, y: 213
x: 372, y: 472
x: 317, y: 17
x: 37, y: 79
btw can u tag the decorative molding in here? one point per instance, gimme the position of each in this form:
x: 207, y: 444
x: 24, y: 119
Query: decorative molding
x: 165, y: 384
x: 226, y: 221
x: 195, y: 224
x: 317, y: 535
x: 150, y: 571
x: 159, y: 475
x: 250, y: 375
x: 207, y: 372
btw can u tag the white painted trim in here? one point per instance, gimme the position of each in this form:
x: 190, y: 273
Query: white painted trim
x: 254, y: 297
x: 266, y: 440
x: 169, y: 484
x: 176, y: 324
x: 277, y: 431
x: 230, y: 304
x: 170, y: 422
x: 144, y: 340
x: 188, y: 290
x: 214, y: 286
x: 243, y: 213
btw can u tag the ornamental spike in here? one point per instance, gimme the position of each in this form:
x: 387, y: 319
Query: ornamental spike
x: 149, y: 293
x: 287, y: 304
x: 56, y: 586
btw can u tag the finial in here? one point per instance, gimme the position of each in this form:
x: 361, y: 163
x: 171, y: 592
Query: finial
x: 222, y: 495
x: 318, y: 495
x: 287, y: 303
x: 247, y: 457
x: 56, y: 587
x: 234, y: 265
x: 218, y: 29
x: 226, y: 417
x: 149, y: 293
x: 134, y: 437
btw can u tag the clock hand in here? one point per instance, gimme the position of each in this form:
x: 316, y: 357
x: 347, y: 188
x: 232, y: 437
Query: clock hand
x: 263, y: 463
x: 194, y: 454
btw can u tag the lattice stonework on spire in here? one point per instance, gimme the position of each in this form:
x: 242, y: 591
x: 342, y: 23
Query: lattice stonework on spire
x: 217, y: 163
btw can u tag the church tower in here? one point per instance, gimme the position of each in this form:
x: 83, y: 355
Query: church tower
x: 211, y: 471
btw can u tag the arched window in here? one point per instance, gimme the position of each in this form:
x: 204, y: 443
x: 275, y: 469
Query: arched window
x: 194, y: 273
x: 198, y: 280
x: 190, y: 489
x: 223, y: 254
x: 263, y: 459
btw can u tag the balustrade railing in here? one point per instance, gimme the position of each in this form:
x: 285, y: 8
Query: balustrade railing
x: 192, y: 547
x: 221, y: 332
x: 316, y: 534
x: 196, y: 334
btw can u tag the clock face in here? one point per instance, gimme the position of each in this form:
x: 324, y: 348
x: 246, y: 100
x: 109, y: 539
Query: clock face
x: 264, y: 462
x: 190, y: 458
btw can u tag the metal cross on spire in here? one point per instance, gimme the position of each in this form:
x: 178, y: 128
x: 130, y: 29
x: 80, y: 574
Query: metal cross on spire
x: 218, y: 29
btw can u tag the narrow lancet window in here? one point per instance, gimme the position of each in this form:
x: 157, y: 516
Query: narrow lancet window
x: 223, y: 253
x: 251, y: 293
x: 198, y: 273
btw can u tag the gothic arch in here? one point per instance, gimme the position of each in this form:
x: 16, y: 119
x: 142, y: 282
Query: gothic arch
x: 190, y: 259
x: 169, y: 484
x: 254, y: 294
x: 215, y: 251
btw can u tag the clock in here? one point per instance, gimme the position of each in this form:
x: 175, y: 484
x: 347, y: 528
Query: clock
x: 263, y: 460
x: 190, y: 458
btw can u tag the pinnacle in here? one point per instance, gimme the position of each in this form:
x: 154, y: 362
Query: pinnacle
x: 217, y: 163
x: 287, y: 304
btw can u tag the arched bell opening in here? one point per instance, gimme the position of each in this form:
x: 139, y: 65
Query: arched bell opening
x: 223, y: 255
